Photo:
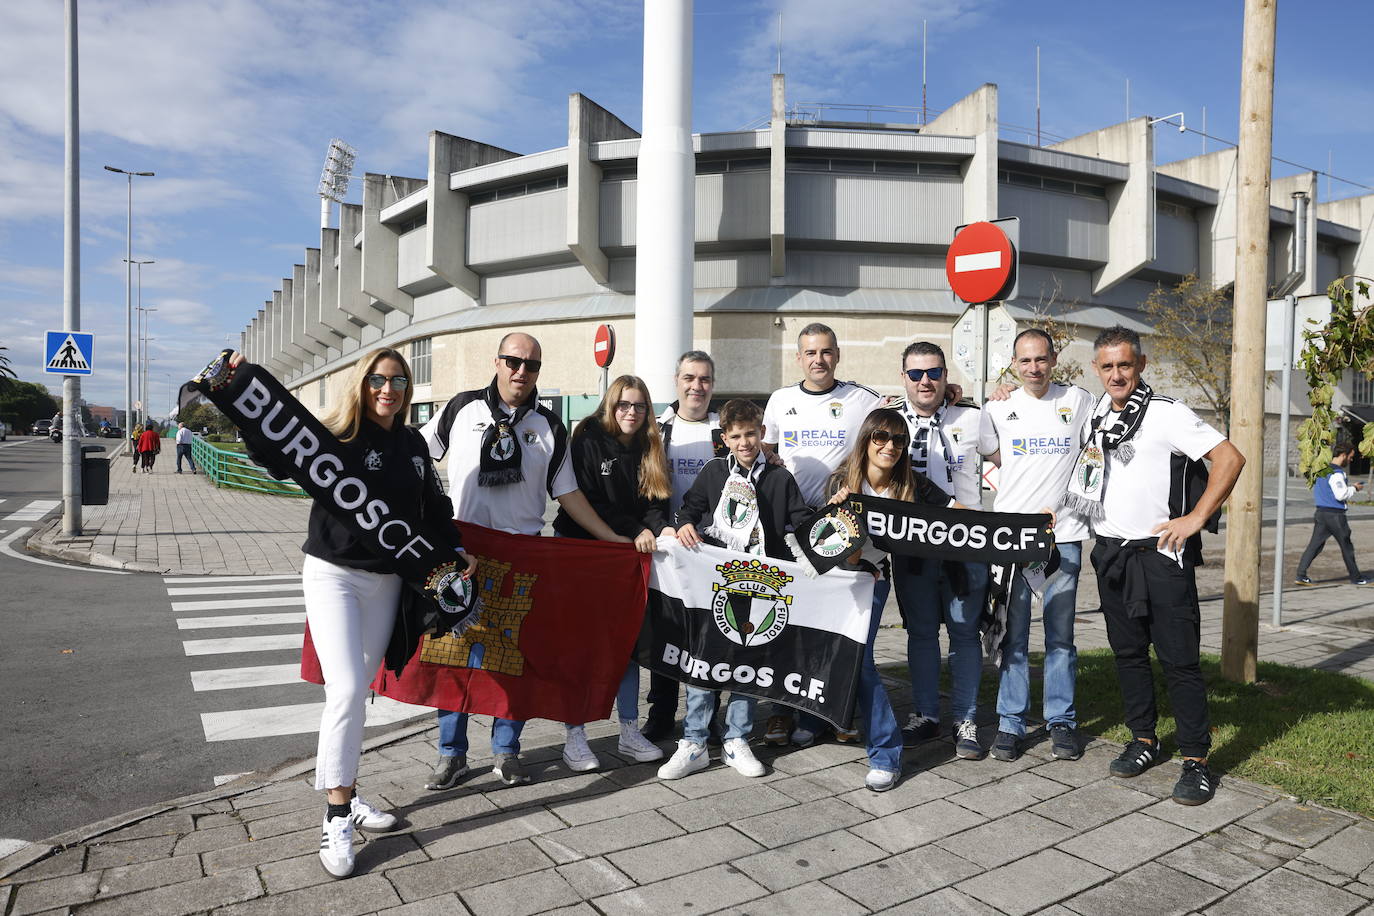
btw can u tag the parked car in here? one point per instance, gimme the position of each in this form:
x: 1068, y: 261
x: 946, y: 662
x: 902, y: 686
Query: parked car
x: 42, y: 427
x: 111, y: 432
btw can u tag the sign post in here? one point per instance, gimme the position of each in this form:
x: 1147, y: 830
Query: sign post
x: 603, y: 352
x: 981, y: 268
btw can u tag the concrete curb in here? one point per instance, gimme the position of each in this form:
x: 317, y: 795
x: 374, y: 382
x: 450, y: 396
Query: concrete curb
x: 43, y: 541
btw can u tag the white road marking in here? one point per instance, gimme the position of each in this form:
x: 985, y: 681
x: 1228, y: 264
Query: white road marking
x: 228, y: 778
x: 296, y: 719
x: 33, y: 511
x: 17, y: 533
x: 243, y: 644
x: 13, y: 444
x: 239, y: 620
x: 232, y: 604
x: 253, y: 676
x: 213, y: 580
x: 983, y: 260
x: 9, y: 847
x: 237, y: 589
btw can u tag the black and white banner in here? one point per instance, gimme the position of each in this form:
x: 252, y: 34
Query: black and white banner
x: 725, y: 620
x: 909, y: 529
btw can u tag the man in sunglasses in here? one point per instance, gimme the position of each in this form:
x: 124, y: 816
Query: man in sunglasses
x: 944, y: 447
x: 507, y: 455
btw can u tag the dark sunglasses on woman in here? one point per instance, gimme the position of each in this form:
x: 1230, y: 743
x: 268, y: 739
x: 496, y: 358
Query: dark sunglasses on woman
x: 398, y: 382
x: 883, y: 437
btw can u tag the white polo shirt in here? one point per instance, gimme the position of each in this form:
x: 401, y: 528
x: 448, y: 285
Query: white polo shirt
x: 813, y: 431
x: 517, y: 508
x: 956, y: 472
x: 1039, y: 439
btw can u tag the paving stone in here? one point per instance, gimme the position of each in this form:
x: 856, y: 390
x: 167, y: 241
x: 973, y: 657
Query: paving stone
x: 617, y: 804
x: 443, y: 905
x: 291, y: 874
x: 143, y: 875
x: 458, y: 873
x: 1089, y: 768
x: 67, y: 862
x: 914, y: 790
x: 264, y: 828
x: 777, y: 828
x: 1034, y: 882
x: 971, y: 773
x: 579, y: 909
x: 1349, y: 852
x: 42, y: 895
x: 112, y: 855
x: 1092, y: 805
x: 601, y: 837
x: 1364, y: 890
x: 904, y: 877
x: 801, y: 789
x: 946, y: 902
x: 520, y: 896
x: 1320, y: 872
x: 817, y: 757
x: 447, y: 810
x: 679, y: 855
x: 1224, y: 808
x: 594, y: 877
x: 216, y: 819
x: 1152, y: 888
x: 917, y: 826
x: 552, y: 792
x: 1212, y: 864
x: 491, y: 830
x: 710, y: 890
x: 806, y: 900
x: 1017, y: 791
x: 359, y: 894
x: 808, y: 860
x: 1012, y: 837
x: 172, y: 823
x: 1283, y: 891
x: 714, y: 810
x: 181, y: 899
x: 285, y: 846
x: 1296, y: 824
x: 1126, y: 843
x: 713, y: 780
x: 214, y: 838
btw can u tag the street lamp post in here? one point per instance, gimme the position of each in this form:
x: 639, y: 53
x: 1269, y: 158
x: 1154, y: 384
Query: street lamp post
x: 142, y: 344
x: 129, y: 296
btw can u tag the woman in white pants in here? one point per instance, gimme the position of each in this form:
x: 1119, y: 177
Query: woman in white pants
x: 352, y: 595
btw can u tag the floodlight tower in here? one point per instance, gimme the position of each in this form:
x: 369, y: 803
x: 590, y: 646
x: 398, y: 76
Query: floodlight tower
x: 338, y: 169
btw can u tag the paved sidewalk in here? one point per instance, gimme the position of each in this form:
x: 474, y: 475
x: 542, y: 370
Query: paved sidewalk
x: 955, y: 836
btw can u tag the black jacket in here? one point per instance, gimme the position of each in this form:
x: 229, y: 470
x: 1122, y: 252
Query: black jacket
x: 781, y: 507
x: 608, y: 474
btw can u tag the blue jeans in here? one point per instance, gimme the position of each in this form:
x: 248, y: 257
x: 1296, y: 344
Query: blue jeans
x: 626, y: 696
x: 701, y: 708
x: 927, y: 600
x: 453, y: 734
x: 1061, y: 658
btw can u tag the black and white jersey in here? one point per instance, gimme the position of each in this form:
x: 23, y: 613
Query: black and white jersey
x: 688, y: 444
x: 813, y: 431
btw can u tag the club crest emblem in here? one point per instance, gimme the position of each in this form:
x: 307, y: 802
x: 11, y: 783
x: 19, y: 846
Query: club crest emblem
x: 448, y: 587
x: 606, y: 467
x: 834, y: 534
x: 1066, y: 415
x: 419, y: 465
x: 1090, y: 468
x: 219, y: 373
x: 750, y: 608
x: 836, y: 409
x: 503, y: 449
x: 741, y: 504
x: 372, y: 460
x: 530, y: 437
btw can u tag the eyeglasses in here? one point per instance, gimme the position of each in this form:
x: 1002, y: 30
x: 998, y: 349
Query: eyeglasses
x: 513, y: 363
x: 935, y: 373
x: 398, y: 382
x: 883, y: 437
x: 631, y: 407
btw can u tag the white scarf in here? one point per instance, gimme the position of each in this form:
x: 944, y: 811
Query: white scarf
x: 737, y: 522
x: 922, y: 430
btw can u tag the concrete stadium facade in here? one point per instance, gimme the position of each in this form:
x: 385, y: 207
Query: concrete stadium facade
x: 798, y: 221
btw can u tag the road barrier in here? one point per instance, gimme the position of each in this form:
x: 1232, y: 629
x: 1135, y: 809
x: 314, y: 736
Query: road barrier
x: 229, y: 468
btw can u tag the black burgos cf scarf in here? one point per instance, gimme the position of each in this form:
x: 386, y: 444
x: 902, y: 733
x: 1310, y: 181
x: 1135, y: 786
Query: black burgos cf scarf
x: 500, y: 459
x: 1089, y: 480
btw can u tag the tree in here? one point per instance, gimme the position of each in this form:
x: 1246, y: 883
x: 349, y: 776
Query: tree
x: 1063, y: 333
x: 1192, y: 331
x: 201, y: 414
x: 7, y: 376
x: 1347, y: 342
x: 21, y: 403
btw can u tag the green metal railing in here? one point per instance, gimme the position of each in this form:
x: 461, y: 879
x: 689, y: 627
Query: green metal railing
x: 229, y: 468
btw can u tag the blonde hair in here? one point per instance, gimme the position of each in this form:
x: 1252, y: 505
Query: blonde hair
x: 853, y: 473
x: 345, y: 418
x: 653, y: 463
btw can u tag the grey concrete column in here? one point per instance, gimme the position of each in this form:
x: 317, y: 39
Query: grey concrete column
x: 307, y: 285
x: 446, y: 215
x: 322, y: 279
x: 975, y: 115
x: 352, y: 299
x: 293, y: 330
x: 588, y: 123
x: 1358, y: 213
x: 777, y: 181
x: 1216, y: 225
x: 380, y: 241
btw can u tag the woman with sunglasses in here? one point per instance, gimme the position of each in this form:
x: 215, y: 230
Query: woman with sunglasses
x: 617, y: 454
x: 878, y: 466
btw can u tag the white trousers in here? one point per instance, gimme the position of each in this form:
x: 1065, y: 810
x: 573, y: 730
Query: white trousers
x: 351, y: 613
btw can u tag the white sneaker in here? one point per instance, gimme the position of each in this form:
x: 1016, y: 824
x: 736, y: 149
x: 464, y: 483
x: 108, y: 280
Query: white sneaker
x: 336, y: 846
x: 688, y: 758
x: 576, y: 754
x: 633, y: 742
x: 880, y: 780
x: 737, y: 754
x: 368, y: 817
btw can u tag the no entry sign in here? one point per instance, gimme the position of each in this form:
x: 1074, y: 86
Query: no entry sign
x: 603, y: 345
x: 981, y: 263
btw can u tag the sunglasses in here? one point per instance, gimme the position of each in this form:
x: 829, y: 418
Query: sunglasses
x: 631, y: 407
x: 883, y: 437
x: 935, y: 373
x: 398, y: 382
x: 513, y: 363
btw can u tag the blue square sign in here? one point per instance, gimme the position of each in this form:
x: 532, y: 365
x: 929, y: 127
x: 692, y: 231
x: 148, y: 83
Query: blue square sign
x: 68, y: 353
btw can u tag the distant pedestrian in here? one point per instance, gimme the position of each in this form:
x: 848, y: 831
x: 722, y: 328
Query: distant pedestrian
x: 133, y: 446
x: 149, y: 444
x: 184, y: 436
x: 1330, y: 494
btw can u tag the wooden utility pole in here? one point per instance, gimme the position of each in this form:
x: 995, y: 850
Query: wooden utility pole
x: 1240, y: 615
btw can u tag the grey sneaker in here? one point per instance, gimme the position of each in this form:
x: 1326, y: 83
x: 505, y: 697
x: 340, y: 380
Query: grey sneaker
x: 447, y: 773
x: 1006, y: 746
x: 509, y: 770
x: 1063, y: 742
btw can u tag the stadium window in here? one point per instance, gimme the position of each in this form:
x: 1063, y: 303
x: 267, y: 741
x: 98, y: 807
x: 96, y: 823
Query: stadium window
x: 619, y: 174
x: 851, y: 165
x: 481, y: 197
x: 1054, y: 184
x: 412, y: 225
x: 948, y: 169
x: 420, y: 360
x: 748, y: 165
x: 809, y: 165
x: 897, y: 168
x: 711, y: 166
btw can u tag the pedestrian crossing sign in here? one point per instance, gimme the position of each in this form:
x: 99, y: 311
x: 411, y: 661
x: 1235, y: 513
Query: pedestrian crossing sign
x: 68, y: 353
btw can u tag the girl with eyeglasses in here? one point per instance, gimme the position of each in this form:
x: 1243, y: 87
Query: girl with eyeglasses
x: 617, y: 454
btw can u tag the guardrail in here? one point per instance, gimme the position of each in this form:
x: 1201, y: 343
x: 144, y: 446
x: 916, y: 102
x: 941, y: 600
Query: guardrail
x: 229, y: 468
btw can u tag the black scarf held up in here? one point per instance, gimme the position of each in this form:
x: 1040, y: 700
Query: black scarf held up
x: 500, y: 459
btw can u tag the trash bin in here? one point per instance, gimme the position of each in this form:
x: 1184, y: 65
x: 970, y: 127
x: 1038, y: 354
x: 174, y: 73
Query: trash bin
x: 95, y: 476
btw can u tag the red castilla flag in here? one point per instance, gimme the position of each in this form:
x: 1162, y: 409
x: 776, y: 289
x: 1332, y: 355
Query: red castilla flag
x: 558, y: 625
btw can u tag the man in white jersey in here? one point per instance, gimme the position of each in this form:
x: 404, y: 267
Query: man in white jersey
x: 1033, y: 437
x: 811, y: 426
x: 944, y: 447
x: 691, y: 437
x: 1138, y: 481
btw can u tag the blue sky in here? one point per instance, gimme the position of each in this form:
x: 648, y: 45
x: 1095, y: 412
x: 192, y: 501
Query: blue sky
x: 233, y: 104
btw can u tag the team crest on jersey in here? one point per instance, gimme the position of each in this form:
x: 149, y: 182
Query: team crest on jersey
x: 530, y: 437
x: 419, y: 465
x: 1066, y: 415
x: 606, y: 467
x: 836, y: 409
x: 750, y: 607
x: 741, y: 504
x: 372, y: 460
x: 503, y: 449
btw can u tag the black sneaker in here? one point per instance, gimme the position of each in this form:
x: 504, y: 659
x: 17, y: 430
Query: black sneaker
x: 1138, y: 757
x: 1360, y: 581
x: 1303, y: 580
x: 1063, y: 742
x: 447, y: 772
x: 1006, y: 746
x: 966, y: 741
x: 919, y: 729
x: 1195, y: 786
x: 659, y: 724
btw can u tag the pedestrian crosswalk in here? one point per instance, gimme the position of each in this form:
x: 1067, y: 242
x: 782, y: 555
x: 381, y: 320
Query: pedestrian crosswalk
x: 33, y: 511
x: 222, y: 619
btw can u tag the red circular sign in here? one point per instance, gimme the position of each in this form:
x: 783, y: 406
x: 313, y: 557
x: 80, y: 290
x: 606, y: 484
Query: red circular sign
x: 979, y: 262
x: 603, y: 345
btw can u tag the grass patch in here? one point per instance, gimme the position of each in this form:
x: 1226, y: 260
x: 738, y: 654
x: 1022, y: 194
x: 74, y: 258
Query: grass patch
x: 1307, y: 732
